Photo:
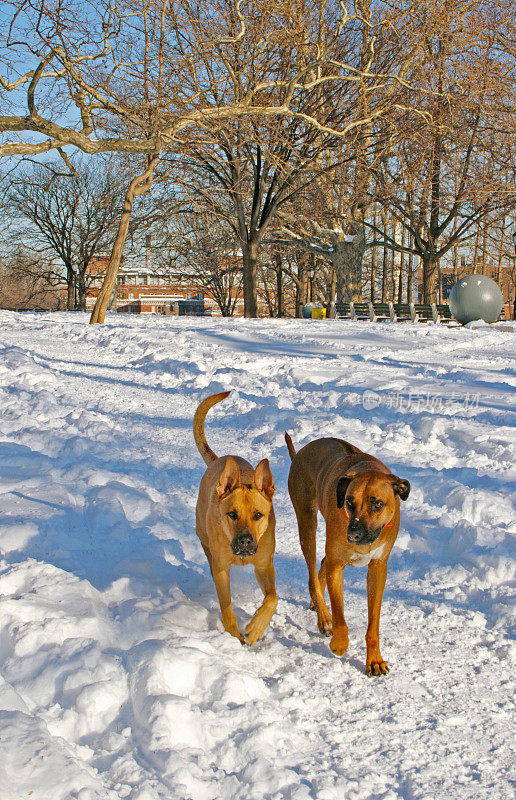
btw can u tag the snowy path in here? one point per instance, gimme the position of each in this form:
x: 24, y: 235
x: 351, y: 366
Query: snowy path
x: 116, y: 680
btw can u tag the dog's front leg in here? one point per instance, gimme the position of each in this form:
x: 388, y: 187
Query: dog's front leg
x: 222, y: 585
x: 267, y: 580
x: 339, y: 641
x: 376, y: 577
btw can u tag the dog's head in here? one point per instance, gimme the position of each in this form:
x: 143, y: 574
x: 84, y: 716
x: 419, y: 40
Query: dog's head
x: 368, y: 500
x: 245, y: 509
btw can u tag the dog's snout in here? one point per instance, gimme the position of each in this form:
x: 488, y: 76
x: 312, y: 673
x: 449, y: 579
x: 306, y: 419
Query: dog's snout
x: 243, y: 544
x: 358, y: 533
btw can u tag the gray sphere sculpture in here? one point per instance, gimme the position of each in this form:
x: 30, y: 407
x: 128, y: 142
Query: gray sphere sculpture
x: 476, y: 297
x: 306, y: 310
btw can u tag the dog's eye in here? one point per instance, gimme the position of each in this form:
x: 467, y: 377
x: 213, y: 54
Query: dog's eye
x: 257, y: 515
x: 349, y: 503
x: 232, y: 515
x: 377, y: 505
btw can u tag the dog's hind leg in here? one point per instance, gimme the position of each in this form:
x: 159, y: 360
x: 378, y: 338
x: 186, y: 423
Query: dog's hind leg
x: 322, y: 576
x: 267, y: 581
x: 307, y: 524
x: 322, y: 580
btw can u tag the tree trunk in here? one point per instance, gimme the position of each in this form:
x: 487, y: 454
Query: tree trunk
x: 373, y: 264
x: 138, y: 186
x: 384, y: 275
x: 475, y: 251
x: 279, y: 285
x: 333, y: 294
x: 402, y: 264
x: 396, y: 261
x: 372, y: 293
x: 81, y: 292
x: 250, y: 264
x: 70, y: 289
x: 347, y: 261
x: 429, y: 276
x: 302, y: 286
x: 410, y: 277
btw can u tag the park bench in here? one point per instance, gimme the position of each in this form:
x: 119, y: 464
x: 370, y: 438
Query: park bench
x: 383, y: 312
x: 362, y: 311
x: 425, y: 312
x: 404, y: 312
x: 343, y: 311
x: 444, y: 314
x: 354, y: 311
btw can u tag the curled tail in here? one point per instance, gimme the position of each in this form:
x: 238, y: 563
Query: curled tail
x: 198, y: 426
x: 290, y: 446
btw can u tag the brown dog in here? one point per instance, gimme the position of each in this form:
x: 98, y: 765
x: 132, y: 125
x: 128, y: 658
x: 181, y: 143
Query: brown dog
x: 235, y: 523
x: 358, y: 497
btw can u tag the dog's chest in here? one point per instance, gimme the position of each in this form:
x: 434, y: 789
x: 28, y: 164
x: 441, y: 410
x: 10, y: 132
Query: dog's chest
x: 362, y: 559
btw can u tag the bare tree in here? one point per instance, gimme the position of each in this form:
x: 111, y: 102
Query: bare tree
x: 195, y: 250
x: 140, y: 76
x: 450, y: 174
x: 251, y: 169
x: 24, y: 283
x: 66, y: 218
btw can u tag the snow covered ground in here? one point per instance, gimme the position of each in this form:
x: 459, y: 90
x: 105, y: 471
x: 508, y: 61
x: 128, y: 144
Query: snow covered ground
x: 116, y: 678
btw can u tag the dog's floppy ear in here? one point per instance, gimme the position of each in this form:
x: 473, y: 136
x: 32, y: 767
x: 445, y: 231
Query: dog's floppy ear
x: 263, y: 480
x: 401, y: 487
x: 230, y: 477
x: 342, y: 488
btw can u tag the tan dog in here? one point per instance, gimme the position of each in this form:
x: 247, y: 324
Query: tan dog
x: 358, y: 497
x: 235, y: 523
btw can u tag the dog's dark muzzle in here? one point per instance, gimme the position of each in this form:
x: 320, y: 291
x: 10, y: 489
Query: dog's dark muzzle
x: 358, y: 533
x: 244, y: 545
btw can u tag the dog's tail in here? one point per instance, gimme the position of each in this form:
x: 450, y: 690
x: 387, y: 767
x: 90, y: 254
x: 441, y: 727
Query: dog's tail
x: 198, y: 426
x: 290, y: 446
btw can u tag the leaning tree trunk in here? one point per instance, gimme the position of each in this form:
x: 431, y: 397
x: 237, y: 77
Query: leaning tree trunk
x: 250, y: 283
x: 138, y: 186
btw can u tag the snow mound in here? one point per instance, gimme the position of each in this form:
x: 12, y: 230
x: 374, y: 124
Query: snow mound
x: 116, y: 677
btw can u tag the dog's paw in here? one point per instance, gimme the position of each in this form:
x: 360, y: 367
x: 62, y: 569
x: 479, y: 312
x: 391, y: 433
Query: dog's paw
x: 236, y: 633
x: 339, y: 643
x: 256, y: 627
x: 377, y: 668
x: 324, y: 621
